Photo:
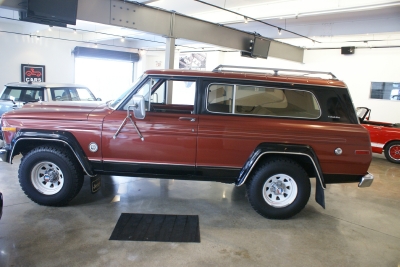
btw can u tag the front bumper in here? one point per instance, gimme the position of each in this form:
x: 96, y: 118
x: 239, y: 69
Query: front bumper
x: 4, y: 155
x: 366, y: 180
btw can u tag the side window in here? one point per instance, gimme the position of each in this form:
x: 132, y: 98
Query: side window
x: 258, y: 100
x: 170, y: 96
x: 183, y: 92
x: 220, y: 98
x: 60, y: 94
x: 84, y: 94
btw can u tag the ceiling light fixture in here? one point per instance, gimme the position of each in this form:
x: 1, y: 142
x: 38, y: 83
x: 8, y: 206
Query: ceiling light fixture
x: 279, y: 31
x: 245, y: 20
x: 122, y: 39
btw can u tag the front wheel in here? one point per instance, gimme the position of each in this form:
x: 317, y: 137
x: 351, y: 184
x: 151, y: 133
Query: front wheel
x: 392, y: 152
x: 278, y: 189
x: 50, y: 176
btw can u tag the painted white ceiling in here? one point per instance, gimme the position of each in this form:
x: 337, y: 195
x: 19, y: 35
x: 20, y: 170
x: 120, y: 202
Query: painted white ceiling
x: 332, y: 23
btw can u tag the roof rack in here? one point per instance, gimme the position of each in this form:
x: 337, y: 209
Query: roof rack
x: 275, y: 70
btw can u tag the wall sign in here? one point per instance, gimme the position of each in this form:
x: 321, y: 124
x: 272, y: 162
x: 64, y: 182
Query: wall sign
x: 32, y: 73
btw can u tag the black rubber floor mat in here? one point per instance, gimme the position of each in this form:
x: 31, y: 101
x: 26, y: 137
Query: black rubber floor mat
x: 157, y: 227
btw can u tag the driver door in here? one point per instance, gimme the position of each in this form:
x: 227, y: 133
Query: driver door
x: 169, y: 130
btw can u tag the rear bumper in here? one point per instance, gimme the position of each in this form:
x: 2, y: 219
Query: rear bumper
x: 366, y: 180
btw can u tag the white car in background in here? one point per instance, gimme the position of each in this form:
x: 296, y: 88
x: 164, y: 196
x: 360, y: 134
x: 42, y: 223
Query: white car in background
x: 15, y: 95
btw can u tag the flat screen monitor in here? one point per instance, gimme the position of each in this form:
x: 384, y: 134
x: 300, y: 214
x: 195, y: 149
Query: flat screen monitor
x: 51, y: 12
x: 260, y: 47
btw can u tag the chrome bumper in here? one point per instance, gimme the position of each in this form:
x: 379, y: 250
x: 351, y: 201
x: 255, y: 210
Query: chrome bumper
x: 366, y: 181
x: 3, y: 155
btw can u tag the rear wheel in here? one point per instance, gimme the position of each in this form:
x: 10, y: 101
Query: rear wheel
x: 392, y: 152
x: 50, y: 176
x: 279, y: 189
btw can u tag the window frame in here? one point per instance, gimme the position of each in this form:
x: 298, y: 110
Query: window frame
x: 235, y: 85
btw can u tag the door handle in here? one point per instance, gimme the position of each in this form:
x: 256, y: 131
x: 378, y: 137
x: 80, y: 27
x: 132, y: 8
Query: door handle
x: 187, y: 119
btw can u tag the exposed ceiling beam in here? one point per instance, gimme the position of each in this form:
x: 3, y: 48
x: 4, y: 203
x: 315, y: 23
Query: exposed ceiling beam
x: 140, y: 17
x: 134, y: 15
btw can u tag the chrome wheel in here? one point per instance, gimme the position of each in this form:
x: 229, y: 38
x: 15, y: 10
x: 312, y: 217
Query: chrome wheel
x: 280, y: 190
x: 47, y: 178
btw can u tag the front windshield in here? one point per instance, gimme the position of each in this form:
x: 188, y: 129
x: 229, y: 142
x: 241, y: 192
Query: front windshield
x: 113, y: 104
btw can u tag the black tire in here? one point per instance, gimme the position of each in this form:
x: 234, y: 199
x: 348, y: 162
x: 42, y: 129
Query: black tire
x: 392, y: 152
x: 279, y: 188
x: 50, y: 176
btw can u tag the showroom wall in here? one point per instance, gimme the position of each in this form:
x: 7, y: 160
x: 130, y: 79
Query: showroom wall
x: 21, y: 49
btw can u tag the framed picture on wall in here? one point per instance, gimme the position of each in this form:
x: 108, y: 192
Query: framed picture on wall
x: 33, y: 73
x: 192, y: 61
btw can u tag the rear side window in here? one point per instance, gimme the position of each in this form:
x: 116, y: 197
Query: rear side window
x: 258, y: 100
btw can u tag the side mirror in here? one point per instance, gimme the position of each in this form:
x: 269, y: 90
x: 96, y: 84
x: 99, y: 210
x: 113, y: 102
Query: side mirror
x: 98, y: 99
x: 138, y: 107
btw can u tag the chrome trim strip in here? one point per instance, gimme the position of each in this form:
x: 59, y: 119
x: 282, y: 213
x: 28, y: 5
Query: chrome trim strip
x: 233, y: 100
x: 29, y: 138
x: 95, y: 160
x: 377, y: 145
x: 258, y: 115
x: 208, y: 166
x: 141, y: 162
x: 287, y: 153
x: 366, y: 180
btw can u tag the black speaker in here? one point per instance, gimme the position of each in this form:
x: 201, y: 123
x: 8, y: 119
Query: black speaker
x: 348, y: 50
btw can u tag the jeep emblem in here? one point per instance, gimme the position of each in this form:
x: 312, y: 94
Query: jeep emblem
x: 93, y: 147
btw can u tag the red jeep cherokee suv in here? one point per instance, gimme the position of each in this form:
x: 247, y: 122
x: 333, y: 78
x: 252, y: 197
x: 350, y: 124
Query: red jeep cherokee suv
x: 268, y: 129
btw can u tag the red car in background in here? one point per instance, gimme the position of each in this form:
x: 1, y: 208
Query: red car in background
x: 384, y: 136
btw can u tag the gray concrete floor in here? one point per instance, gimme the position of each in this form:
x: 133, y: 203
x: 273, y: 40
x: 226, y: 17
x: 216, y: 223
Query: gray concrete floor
x: 360, y: 227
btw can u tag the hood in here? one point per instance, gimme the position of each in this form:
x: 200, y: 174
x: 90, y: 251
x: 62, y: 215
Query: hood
x: 78, y: 110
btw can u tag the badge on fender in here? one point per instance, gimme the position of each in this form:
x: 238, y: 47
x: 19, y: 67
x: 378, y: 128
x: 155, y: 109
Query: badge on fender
x: 93, y: 147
